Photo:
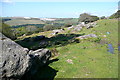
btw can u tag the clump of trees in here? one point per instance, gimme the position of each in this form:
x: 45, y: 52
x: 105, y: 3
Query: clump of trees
x: 85, y: 17
x: 115, y: 15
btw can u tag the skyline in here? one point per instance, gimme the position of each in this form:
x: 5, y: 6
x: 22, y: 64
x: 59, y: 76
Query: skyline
x: 57, y: 9
x: 9, y: 1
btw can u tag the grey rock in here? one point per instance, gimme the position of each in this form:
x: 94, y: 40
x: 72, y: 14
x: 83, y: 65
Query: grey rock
x: 87, y: 36
x: 15, y: 60
x: 78, y: 28
x: 91, y: 25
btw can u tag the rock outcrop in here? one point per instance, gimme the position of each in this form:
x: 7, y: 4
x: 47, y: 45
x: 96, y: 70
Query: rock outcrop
x: 87, y: 36
x: 81, y: 25
x: 15, y: 60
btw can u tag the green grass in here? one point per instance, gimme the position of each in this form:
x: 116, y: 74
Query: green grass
x: 91, y: 62
x: 90, y: 59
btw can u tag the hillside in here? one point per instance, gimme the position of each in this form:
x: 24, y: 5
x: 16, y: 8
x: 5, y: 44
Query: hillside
x: 14, y: 21
x: 86, y: 58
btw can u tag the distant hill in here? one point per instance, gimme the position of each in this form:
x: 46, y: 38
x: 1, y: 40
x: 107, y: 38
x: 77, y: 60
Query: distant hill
x: 12, y: 21
x: 22, y: 22
x: 115, y: 15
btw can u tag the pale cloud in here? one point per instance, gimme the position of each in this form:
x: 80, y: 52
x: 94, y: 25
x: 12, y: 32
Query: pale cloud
x: 7, y: 1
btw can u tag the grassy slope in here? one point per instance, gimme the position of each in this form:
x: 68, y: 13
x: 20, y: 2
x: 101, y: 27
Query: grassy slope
x: 90, y: 59
x: 93, y: 61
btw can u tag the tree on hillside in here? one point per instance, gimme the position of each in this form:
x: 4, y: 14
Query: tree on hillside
x: 115, y: 15
x: 85, y: 17
x: 7, y: 31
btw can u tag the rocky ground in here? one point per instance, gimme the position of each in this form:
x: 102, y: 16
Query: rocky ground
x: 17, y: 61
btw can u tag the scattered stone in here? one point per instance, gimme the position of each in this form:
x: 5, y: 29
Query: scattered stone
x: 24, y: 35
x: 69, y: 61
x: 104, y: 36
x: 70, y: 27
x: 86, y: 74
x: 81, y: 25
x: 78, y: 28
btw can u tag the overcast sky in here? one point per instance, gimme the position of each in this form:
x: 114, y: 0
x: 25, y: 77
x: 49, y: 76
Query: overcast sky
x: 57, y: 8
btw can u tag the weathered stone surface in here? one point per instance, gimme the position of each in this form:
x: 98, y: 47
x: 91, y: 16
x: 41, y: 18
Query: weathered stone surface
x: 91, y: 25
x: 78, y: 28
x: 15, y: 60
x: 87, y: 36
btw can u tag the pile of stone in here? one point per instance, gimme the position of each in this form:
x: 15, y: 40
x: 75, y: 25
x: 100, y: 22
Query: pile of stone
x: 15, y: 61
